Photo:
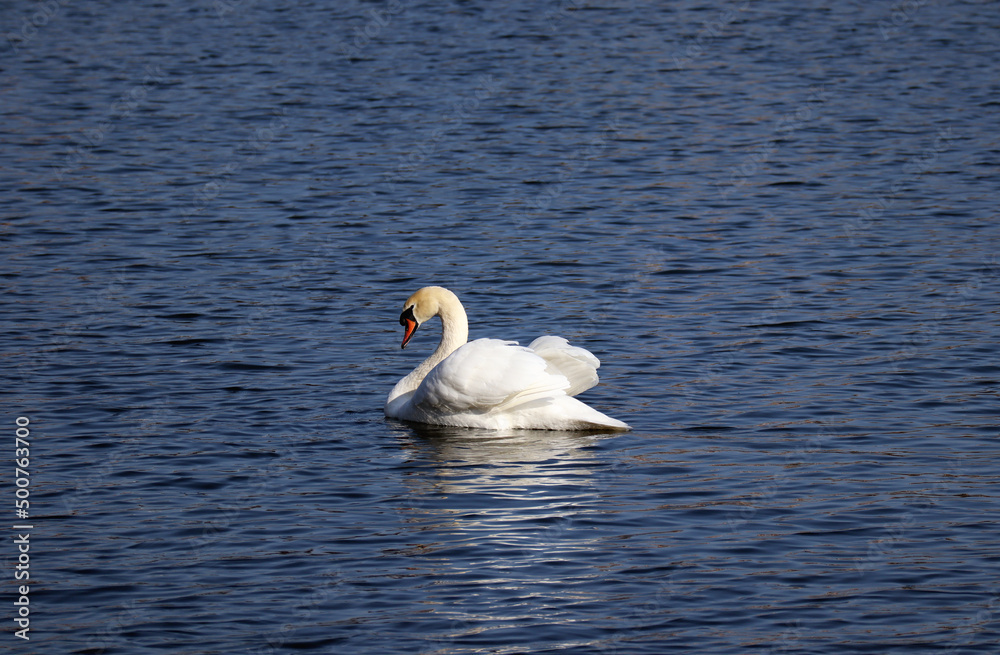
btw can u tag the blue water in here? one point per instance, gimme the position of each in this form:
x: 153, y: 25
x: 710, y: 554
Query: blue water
x: 775, y: 224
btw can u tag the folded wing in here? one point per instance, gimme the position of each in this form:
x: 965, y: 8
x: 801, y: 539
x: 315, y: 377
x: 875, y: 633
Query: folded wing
x: 577, y: 365
x: 489, y: 375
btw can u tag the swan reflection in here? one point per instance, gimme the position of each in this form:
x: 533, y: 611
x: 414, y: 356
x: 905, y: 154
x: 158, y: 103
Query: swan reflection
x: 540, y: 484
x: 501, y: 515
x: 505, y: 449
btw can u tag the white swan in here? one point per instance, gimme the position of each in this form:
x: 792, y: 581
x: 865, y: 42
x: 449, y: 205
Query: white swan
x: 493, y: 384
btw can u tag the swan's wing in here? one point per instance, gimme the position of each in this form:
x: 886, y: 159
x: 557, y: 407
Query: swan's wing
x: 488, y: 375
x: 578, y: 365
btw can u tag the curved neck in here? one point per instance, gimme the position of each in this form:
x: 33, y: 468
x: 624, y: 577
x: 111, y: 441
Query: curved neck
x: 454, y: 331
x: 454, y: 334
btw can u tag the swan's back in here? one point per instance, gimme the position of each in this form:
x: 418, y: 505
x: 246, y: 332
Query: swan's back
x: 578, y: 365
x: 497, y: 384
x: 488, y: 375
x: 493, y: 384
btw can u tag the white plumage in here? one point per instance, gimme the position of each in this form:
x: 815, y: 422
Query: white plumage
x: 493, y: 384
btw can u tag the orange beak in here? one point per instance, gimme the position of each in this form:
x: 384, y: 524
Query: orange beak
x: 411, y: 327
x: 409, y: 321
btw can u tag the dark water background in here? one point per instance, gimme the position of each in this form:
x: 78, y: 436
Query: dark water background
x: 775, y: 223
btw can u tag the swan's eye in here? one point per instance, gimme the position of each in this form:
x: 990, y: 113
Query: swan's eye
x: 407, y: 315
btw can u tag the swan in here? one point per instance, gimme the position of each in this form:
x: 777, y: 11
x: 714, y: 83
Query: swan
x: 489, y: 383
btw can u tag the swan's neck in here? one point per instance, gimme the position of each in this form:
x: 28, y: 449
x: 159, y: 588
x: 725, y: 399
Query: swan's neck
x: 454, y: 334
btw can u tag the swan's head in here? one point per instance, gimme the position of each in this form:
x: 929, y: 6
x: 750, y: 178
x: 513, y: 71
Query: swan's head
x: 424, y: 305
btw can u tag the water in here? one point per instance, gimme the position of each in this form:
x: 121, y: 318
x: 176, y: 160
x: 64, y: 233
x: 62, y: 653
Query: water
x: 774, y: 223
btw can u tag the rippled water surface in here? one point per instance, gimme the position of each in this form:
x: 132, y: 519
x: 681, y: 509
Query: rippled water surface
x: 775, y: 223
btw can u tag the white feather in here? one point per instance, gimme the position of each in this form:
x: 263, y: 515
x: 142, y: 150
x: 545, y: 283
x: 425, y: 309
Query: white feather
x: 489, y: 383
x: 579, y: 366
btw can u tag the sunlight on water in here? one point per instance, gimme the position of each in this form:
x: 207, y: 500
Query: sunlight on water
x: 774, y: 226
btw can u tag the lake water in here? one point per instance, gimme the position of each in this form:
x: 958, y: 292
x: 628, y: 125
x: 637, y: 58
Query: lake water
x: 774, y: 223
